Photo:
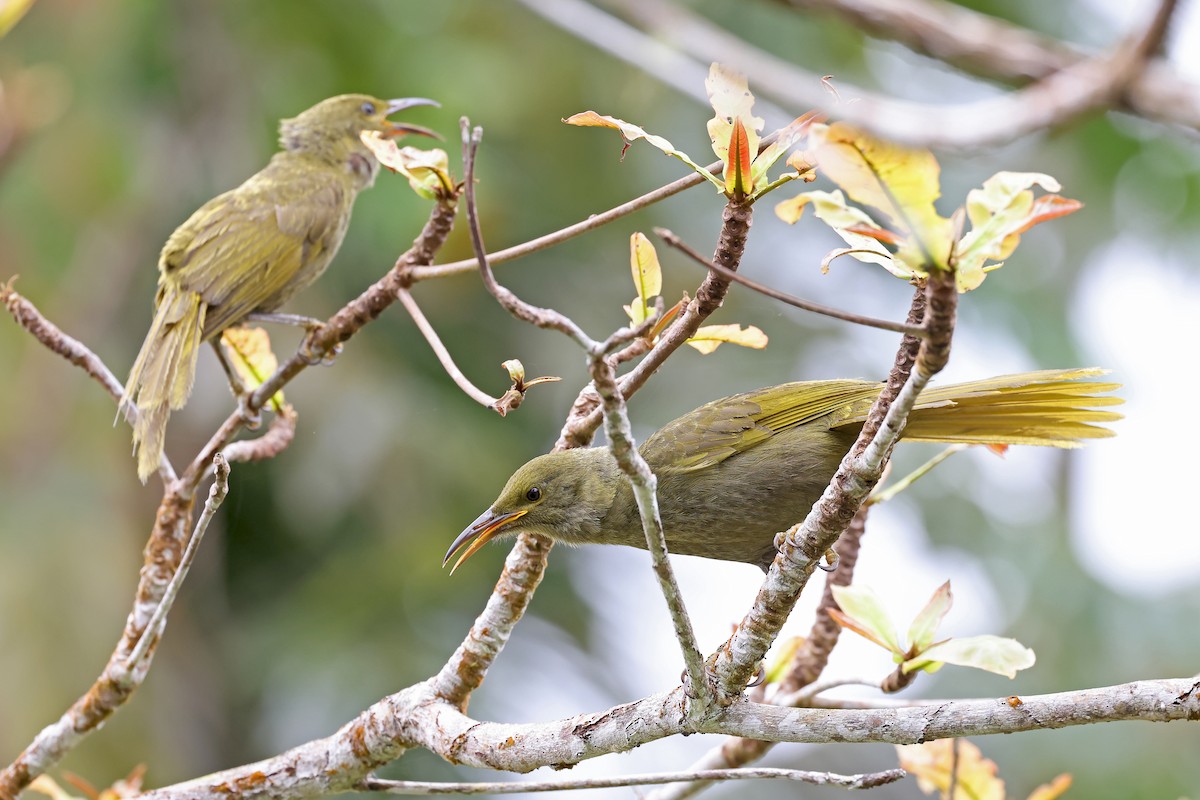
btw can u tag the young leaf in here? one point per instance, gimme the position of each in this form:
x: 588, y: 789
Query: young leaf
x: 925, y: 625
x: 862, y: 611
x: 991, y: 653
x: 710, y: 337
x: 632, y: 133
x: 427, y: 171
x: 738, y: 178
x: 900, y: 182
x: 732, y: 101
x: 1000, y: 212
x: 932, y: 763
x: 252, y: 359
x: 787, y: 137
x: 781, y: 662
x: 849, y: 223
x: 647, y: 277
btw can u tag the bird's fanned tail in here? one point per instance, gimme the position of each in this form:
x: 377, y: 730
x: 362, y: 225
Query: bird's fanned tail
x: 162, y: 375
x: 1054, y: 408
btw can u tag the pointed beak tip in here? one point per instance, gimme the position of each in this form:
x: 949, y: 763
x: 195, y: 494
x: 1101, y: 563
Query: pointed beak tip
x: 485, y: 527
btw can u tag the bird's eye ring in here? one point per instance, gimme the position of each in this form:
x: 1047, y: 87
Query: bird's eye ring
x: 367, y: 108
x: 534, y: 494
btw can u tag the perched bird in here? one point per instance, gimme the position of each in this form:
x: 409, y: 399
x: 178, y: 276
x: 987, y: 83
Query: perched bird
x: 734, y: 472
x: 251, y: 249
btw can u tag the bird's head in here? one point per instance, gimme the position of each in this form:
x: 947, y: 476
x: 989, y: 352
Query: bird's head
x: 561, y: 495
x: 336, y: 123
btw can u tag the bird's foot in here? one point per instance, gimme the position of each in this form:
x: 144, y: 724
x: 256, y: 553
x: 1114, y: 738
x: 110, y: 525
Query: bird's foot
x: 251, y: 418
x: 314, y: 355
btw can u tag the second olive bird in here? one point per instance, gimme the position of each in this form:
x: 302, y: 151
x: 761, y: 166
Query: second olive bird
x: 251, y: 249
x: 734, y: 472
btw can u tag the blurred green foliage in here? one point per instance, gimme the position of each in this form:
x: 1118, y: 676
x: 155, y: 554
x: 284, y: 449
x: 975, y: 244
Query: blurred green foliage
x: 320, y: 588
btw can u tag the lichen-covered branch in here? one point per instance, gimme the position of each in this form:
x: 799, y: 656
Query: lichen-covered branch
x: 415, y: 718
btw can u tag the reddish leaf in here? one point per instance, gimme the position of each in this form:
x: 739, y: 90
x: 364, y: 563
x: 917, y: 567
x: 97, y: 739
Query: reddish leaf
x: 737, y: 165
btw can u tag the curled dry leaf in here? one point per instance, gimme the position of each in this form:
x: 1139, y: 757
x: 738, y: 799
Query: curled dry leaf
x: 253, y: 360
x: 427, y: 171
x: 511, y: 399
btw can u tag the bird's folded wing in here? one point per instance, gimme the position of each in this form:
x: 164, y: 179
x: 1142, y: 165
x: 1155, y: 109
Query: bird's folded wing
x: 718, y: 430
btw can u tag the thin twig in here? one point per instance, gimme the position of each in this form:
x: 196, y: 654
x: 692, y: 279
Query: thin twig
x: 644, y: 484
x: 158, y: 620
x: 593, y: 222
x: 28, y: 317
x: 443, y: 355
x: 807, y: 305
x: 641, y: 478
x: 335, y: 331
x: 868, y: 780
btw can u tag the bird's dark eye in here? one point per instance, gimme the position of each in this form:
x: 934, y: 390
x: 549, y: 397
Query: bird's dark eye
x: 534, y: 494
x: 368, y: 108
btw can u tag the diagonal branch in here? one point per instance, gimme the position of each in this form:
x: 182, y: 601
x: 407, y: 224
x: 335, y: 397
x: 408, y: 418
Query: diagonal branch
x: 327, y: 339
x: 28, y: 317
x: 802, y: 547
x: 993, y: 48
x: 466, y: 670
x: 1078, y: 88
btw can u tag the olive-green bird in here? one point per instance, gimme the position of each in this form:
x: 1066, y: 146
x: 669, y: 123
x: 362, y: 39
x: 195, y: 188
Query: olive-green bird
x: 735, y: 472
x: 251, y: 249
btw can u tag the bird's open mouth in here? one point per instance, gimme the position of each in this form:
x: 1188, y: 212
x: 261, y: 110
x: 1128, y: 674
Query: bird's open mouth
x: 480, y: 532
x: 395, y: 129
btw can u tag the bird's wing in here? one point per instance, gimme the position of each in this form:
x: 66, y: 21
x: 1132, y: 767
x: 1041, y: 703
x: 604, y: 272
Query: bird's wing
x: 242, y: 249
x: 718, y: 430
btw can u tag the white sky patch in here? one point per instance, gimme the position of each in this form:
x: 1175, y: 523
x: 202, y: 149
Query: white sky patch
x: 1139, y: 311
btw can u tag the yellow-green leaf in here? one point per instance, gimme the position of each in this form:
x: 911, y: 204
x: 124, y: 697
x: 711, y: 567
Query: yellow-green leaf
x: 1000, y: 211
x: 933, y: 763
x: 900, y: 182
x: 427, y: 171
x: 925, y: 625
x: 710, y: 337
x: 781, y: 659
x: 630, y: 133
x: 849, y: 223
x: 515, y: 370
x: 731, y: 100
x: 862, y: 611
x: 787, y: 137
x: 11, y: 12
x: 996, y: 654
x: 647, y: 273
x: 253, y: 359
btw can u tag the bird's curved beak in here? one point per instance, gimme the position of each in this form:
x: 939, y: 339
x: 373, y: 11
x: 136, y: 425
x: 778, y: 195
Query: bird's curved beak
x: 485, y: 526
x: 396, y: 129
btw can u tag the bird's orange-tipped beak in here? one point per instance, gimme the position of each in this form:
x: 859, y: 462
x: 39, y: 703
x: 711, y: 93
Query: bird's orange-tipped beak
x: 396, y: 129
x: 482, y: 530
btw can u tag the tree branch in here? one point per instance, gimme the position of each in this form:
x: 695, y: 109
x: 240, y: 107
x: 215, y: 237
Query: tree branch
x: 414, y: 718
x: 992, y: 48
x: 868, y: 780
x: 1059, y: 97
